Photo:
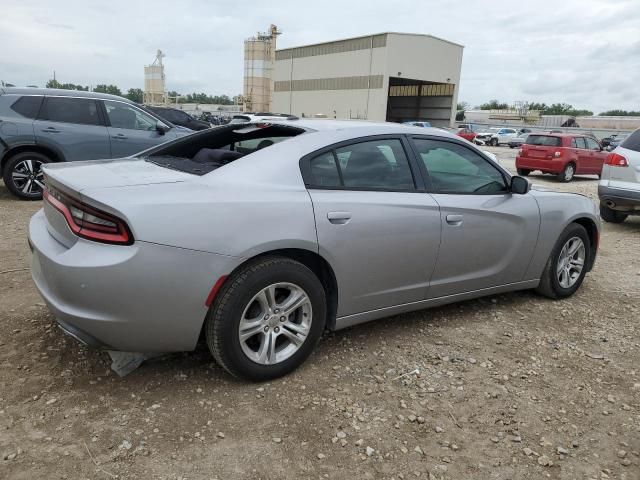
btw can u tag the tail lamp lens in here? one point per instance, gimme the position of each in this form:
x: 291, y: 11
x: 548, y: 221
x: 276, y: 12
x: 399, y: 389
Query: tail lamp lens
x: 88, y: 222
x: 616, y: 160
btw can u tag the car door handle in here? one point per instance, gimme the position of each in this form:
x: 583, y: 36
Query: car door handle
x: 119, y: 137
x: 454, y: 220
x: 51, y: 130
x: 339, y: 218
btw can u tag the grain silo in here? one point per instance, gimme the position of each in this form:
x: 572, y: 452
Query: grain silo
x: 154, y: 87
x: 259, y: 59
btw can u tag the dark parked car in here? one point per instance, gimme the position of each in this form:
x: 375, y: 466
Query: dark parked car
x: 41, y: 126
x: 179, y: 117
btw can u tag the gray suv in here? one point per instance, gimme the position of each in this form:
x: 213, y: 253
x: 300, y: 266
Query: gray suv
x: 40, y: 126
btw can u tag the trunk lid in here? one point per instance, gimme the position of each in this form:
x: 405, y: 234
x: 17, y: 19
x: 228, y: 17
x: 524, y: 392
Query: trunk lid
x: 125, y: 172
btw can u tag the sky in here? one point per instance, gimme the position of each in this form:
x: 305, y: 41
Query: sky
x: 582, y: 52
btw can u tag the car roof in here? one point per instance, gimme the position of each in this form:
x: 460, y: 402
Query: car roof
x: 359, y: 127
x: 59, y: 92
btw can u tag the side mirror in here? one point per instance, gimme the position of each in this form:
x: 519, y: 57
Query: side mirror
x: 162, y: 128
x: 520, y: 185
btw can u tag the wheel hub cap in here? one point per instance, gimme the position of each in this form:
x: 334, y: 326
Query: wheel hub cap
x: 275, y: 323
x: 571, y: 262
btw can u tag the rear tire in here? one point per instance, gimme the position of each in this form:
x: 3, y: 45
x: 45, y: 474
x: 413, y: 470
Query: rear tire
x: 23, y: 175
x: 249, y: 315
x: 562, y: 267
x: 567, y: 173
x: 523, y: 172
x: 612, y: 216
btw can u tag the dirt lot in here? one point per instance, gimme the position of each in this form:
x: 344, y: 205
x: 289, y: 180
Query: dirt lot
x: 510, y: 387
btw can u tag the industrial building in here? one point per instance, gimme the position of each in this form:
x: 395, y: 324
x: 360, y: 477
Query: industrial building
x: 388, y: 76
x: 259, y: 58
x: 154, y: 82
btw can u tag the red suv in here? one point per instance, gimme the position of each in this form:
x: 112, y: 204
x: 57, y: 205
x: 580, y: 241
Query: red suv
x: 561, y: 154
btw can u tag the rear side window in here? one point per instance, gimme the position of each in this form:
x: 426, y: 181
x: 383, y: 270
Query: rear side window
x: 324, y: 171
x: 82, y: 111
x: 632, y: 142
x: 372, y: 165
x: 544, y: 141
x: 28, y: 106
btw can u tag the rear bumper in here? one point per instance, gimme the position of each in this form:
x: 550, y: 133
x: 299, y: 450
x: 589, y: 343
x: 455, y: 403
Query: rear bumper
x: 140, y: 298
x: 617, y: 199
x: 545, y: 165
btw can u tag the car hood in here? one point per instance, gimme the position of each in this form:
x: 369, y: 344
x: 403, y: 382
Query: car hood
x: 121, y: 172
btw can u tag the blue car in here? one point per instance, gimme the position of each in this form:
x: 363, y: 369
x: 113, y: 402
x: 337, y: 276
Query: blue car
x: 42, y: 126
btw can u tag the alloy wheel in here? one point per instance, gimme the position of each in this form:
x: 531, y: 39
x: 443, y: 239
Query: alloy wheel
x: 569, y: 172
x: 28, y: 177
x: 275, y: 323
x: 571, y: 262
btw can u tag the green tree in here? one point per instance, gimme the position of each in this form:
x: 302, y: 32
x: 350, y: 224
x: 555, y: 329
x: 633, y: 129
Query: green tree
x: 620, y: 113
x: 135, y: 95
x: 110, y: 89
x: 462, y: 106
x: 53, y: 83
x: 494, y: 105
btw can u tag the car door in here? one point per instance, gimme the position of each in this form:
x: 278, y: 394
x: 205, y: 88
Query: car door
x: 130, y: 129
x: 488, y: 233
x: 582, y: 155
x: 72, y: 127
x: 376, y: 226
x: 596, y: 156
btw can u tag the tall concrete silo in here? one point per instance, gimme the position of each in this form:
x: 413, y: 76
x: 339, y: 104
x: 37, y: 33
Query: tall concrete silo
x: 154, y: 84
x: 259, y: 61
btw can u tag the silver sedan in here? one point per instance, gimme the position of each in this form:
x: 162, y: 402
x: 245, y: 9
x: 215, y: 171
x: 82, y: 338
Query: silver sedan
x: 258, y: 237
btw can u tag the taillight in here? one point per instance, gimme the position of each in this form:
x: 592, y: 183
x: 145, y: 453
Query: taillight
x: 88, y: 222
x: 520, y: 152
x: 616, y: 160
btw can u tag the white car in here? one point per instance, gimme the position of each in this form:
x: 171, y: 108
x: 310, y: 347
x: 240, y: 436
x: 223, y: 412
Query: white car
x: 497, y: 136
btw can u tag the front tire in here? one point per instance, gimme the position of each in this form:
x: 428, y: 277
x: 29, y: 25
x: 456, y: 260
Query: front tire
x: 567, y: 265
x: 266, y: 319
x: 494, y: 142
x: 23, y: 175
x: 612, y: 216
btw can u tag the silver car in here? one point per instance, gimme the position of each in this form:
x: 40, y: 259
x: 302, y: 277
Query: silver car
x: 619, y: 188
x: 258, y: 237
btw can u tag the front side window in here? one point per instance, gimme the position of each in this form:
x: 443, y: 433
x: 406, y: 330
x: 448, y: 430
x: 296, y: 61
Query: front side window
x: 123, y: 115
x: 453, y: 168
x: 581, y: 143
x: 27, y: 106
x: 83, y: 111
x: 372, y: 165
x: 592, y: 144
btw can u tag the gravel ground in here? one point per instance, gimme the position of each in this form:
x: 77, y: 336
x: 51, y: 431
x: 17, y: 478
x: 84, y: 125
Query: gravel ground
x: 507, y: 387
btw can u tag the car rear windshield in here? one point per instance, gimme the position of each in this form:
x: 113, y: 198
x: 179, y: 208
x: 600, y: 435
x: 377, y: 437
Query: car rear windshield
x: 544, y: 140
x: 632, y: 142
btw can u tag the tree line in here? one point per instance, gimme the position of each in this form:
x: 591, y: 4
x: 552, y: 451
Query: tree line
x: 136, y: 94
x: 553, y: 109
